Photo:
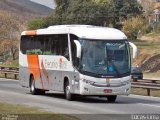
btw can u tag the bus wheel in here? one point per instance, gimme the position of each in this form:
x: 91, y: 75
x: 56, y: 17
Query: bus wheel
x: 67, y: 93
x: 33, y: 90
x: 111, y: 98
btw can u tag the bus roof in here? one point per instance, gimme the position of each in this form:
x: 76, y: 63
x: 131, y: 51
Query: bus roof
x: 82, y: 31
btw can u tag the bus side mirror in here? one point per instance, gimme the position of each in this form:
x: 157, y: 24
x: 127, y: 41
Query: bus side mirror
x: 134, y: 49
x: 79, y: 48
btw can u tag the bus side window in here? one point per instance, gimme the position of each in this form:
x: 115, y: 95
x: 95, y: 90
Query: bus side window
x: 23, y: 45
x: 37, y: 45
x: 63, y: 45
x: 52, y: 43
x: 47, y: 45
x: 27, y: 44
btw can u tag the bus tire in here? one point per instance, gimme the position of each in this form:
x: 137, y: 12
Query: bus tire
x: 42, y: 92
x: 68, y: 95
x: 111, y: 98
x: 33, y: 90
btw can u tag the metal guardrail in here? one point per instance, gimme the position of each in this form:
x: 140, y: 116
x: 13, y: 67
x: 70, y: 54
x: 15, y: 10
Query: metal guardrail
x: 148, y: 84
x: 145, y: 83
x: 9, y: 70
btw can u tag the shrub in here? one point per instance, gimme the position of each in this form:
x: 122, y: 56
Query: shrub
x: 35, y: 24
x: 133, y: 26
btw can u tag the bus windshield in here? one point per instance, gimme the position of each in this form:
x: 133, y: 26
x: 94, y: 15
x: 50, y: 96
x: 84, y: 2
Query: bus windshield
x: 105, y: 58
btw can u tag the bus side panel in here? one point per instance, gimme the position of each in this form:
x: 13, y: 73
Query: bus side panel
x: 54, y: 80
x: 51, y: 79
x: 74, y: 81
x: 48, y: 72
x: 51, y: 68
x: 48, y: 77
x: 24, y: 76
x: 23, y: 70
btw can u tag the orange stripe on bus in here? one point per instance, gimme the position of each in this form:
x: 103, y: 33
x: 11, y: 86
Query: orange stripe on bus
x: 33, y: 32
x: 33, y: 65
x: 34, y: 68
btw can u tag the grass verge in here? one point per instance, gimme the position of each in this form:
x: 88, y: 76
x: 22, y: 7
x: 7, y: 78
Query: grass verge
x: 152, y: 75
x: 20, y: 112
x: 10, y: 63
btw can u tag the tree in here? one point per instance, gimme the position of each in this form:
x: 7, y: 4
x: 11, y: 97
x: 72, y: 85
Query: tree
x: 78, y: 12
x: 133, y: 26
x: 9, y: 33
x: 35, y: 24
x: 121, y: 10
x: 148, y: 6
x: 93, y: 12
x: 100, y: 1
x: 86, y: 12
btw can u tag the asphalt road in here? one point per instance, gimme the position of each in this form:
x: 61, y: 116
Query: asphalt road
x: 12, y: 92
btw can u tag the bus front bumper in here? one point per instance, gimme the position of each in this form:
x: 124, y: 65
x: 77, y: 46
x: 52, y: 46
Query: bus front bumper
x: 87, y: 89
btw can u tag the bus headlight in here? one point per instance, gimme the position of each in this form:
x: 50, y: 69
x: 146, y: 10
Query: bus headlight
x: 88, y: 82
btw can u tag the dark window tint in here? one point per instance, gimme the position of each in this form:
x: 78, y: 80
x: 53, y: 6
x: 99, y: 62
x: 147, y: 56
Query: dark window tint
x: 74, y: 50
x: 32, y: 45
x: 45, y: 45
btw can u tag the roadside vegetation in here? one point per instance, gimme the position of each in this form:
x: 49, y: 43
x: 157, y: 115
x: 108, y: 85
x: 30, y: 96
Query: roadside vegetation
x: 20, y: 112
x: 148, y: 54
x: 93, y: 12
x: 9, y: 33
x: 14, y: 16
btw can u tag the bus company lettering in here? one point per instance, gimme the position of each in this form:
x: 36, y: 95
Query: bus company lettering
x: 51, y: 64
x: 56, y: 65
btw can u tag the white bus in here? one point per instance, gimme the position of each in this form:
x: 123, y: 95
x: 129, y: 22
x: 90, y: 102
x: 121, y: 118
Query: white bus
x: 76, y: 60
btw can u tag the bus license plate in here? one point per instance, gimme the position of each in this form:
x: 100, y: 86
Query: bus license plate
x: 107, y: 90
